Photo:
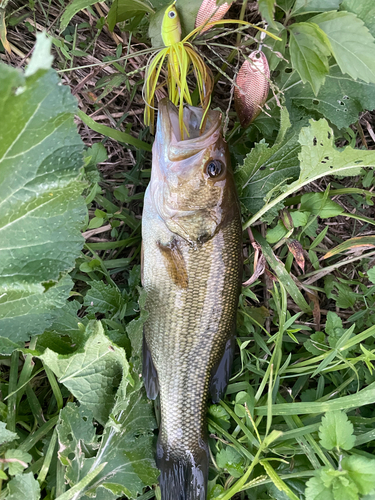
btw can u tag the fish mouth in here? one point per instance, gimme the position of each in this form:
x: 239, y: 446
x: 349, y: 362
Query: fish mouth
x: 195, y: 139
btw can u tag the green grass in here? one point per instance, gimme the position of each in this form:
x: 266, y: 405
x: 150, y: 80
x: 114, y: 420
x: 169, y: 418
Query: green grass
x: 297, y: 421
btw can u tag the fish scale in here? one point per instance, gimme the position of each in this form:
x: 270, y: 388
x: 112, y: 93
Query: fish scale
x: 191, y: 319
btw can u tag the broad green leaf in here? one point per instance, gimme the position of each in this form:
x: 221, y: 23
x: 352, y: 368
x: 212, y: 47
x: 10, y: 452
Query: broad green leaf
x: 307, y: 6
x: 315, y: 204
x: 40, y: 201
x: 72, y: 9
x: 364, y: 9
x: 92, y: 376
x: 336, y: 431
x: 279, y: 231
x: 5, y: 435
x: 122, y: 10
x: 316, y: 490
x: 352, y: 44
x: 125, y: 449
x: 267, y: 11
x: 23, y: 487
x: 309, y: 51
x: 319, y: 157
x: 340, y: 99
x: 102, y: 298
x: 265, y: 168
x: 361, y: 471
x: 42, y: 57
x: 17, y: 457
x: 228, y: 458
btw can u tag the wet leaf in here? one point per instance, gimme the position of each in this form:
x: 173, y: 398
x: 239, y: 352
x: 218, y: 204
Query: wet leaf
x: 40, y: 192
x: 352, y: 44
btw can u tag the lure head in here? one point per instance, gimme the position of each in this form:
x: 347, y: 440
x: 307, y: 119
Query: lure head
x: 192, y: 186
x: 171, y: 26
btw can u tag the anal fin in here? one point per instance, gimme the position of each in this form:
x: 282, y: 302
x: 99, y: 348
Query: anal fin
x: 149, y: 373
x: 222, y: 371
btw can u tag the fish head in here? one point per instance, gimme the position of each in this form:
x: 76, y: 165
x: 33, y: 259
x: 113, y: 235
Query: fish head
x: 192, y: 184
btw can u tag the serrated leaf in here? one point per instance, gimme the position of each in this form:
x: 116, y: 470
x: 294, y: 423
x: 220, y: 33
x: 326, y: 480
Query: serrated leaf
x: 265, y: 168
x: 40, y: 201
x: 228, y: 458
x: 5, y: 435
x: 336, y: 431
x: 316, y: 204
x: 340, y: 99
x: 319, y: 156
x: 267, y: 11
x: 364, y: 9
x: 309, y: 51
x: 72, y: 9
x: 361, y: 471
x: 316, y: 490
x: 102, y: 298
x: 307, y: 6
x: 125, y: 447
x: 352, y: 44
x: 93, y: 375
x: 20, y: 460
x: 23, y: 487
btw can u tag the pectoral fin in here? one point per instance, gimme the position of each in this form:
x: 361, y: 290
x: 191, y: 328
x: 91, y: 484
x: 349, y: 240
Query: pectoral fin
x: 222, y: 371
x: 175, y: 263
x: 149, y: 373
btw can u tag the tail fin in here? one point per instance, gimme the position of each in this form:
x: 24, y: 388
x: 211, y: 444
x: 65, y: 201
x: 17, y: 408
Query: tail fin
x: 183, y: 478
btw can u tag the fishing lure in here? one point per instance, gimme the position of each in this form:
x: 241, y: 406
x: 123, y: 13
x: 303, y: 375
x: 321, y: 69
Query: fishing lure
x: 181, y: 57
x: 252, y: 87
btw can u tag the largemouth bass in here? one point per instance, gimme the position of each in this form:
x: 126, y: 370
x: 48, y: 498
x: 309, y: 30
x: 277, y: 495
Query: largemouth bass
x: 191, y: 271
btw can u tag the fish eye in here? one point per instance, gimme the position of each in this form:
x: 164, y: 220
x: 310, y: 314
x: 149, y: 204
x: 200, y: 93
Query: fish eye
x: 214, y: 168
x: 171, y: 14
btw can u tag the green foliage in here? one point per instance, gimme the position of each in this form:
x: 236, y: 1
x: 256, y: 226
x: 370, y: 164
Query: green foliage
x: 336, y: 431
x: 74, y: 7
x: 41, y: 203
x: 309, y: 53
x: 74, y: 418
x: 93, y: 375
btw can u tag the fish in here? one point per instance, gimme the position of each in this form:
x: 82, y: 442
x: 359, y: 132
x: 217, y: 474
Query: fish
x: 191, y: 271
x: 252, y: 87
